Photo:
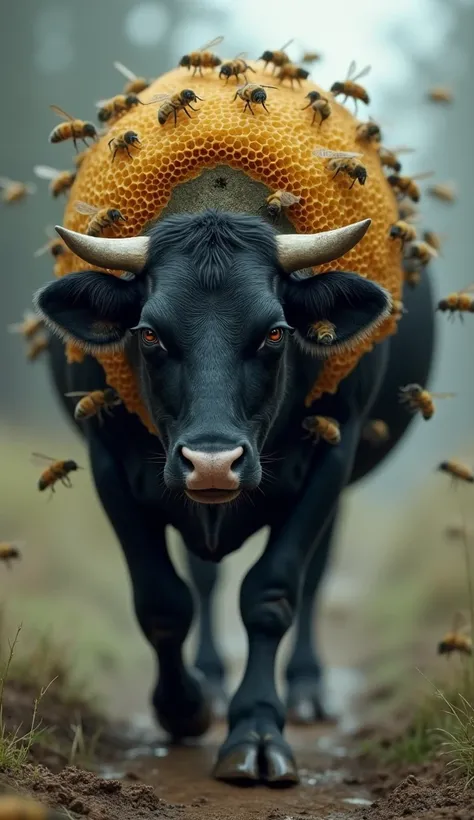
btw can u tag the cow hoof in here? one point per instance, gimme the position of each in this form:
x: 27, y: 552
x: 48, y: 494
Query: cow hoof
x: 259, y: 757
x: 304, y: 703
x: 184, y: 714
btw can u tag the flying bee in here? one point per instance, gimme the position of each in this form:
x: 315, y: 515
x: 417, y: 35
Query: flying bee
x: 406, y: 186
x: 277, y: 58
x: 420, y: 252
x: 389, y: 157
x: 403, y: 230
x: 310, y: 57
x: 15, y: 191
x: 457, y: 469
x: 202, y: 58
x: 291, y: 72
x: 73, y: 129
x: 456, y: 640
x: 407, y: 210
x: 19, y: 808
x: 344, y: 161
x: 101, y: 218
x: 459, y: 302
x: 279, y: 200
x: 440, y: 94
x: 56, y: 471
x: 446, y: 192
x: 114, y: 107
x: 29, y: 327
x: 319, y: 105
x: 322, y: 427
x: 236, y: 67
x: 376, y: 432
x: 134, y: 84
x: 54, y: 245
x: 172, y: 103
x: 94, y: 403
x: 253, y: 93
x: 457, y: 532
x: 435, y: 240
x: 9, y: 552
x: 60, y: 181
x: 420, y: 400
x: 123, y: 142
x: 324, y: 332
x: 368, y: 132
x: 37, y: 346
x: 350, y: 88
x: 412, y: 276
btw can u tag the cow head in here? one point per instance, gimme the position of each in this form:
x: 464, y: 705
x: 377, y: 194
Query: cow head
x: 207, y: 320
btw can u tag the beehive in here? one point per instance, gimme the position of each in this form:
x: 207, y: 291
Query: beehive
x: 275, y: 148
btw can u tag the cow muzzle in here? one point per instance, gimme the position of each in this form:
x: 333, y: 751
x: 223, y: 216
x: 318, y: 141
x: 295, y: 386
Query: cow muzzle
x: 211, y: 477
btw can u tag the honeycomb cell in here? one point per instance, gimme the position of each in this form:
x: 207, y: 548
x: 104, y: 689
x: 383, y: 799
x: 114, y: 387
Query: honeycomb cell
x: 274, y: 148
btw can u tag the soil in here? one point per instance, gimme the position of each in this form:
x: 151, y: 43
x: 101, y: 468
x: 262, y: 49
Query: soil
x: 154, y: 780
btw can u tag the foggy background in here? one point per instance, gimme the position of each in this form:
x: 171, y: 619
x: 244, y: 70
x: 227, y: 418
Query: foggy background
x: 72, y: 579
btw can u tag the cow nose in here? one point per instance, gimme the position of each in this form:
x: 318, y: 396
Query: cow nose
x: 212, y: 471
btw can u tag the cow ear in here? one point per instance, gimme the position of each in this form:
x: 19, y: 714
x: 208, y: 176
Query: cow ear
x: 333, y: 311
x: 92, y: 309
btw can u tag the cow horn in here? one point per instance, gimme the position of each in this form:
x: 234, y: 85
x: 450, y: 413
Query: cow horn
x: 298, y: 251
x: 129, y: 254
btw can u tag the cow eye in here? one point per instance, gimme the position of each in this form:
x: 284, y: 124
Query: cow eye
x: 150, y: 338
x: 275, y: 335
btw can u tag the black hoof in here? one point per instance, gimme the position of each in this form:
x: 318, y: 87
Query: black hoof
x: 259, y: 757
x: 184, y: 712
x: 304, y: 705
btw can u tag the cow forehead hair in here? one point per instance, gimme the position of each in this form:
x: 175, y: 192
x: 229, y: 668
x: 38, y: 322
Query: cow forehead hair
x: 210, y: 241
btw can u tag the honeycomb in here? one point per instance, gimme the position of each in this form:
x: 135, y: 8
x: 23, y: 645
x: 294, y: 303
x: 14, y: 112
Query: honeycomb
x: 275, y: 148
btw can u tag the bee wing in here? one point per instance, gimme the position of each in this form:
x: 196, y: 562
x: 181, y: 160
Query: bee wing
x: 5, y: 182
x: 351, y: 69
x: 402, y: 149
x: 84, y: 208
x: 101, y: 103
x: 77, y: 393
x: 423, y: 175
x: 125, y: 72
x: 288, y: 199
x: 61, y: 113
x: 362, y: 73
x: 444, y: 395
x: 39, y: 459
x: 264, y: 86
x: 287, y: 44
x: 211, y: 43
x: 41, y: 251
x: 459, y: 622
x: 46, y: 172
x: 241, y: 55
x: 326, y: 153
x: 159, y: 98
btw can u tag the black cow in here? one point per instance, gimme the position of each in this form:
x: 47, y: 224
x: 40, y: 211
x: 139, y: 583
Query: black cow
x: 215, y: 323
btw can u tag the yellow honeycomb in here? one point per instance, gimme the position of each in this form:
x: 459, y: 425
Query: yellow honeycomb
x: 274, y: 148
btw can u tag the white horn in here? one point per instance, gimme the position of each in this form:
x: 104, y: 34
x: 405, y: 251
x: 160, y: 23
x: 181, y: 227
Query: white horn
x: 298, y: 251
x: 129, y: 254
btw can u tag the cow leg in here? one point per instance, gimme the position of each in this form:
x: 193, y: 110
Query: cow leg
x: 304, y: 670
x: 204, y: 575
x: 163, y: 602
x: 255, y: 748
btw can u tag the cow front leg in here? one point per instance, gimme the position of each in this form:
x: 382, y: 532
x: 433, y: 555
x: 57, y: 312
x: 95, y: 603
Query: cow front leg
x: 255, y: 748
x: 163, y: 602
x: 304, y: 669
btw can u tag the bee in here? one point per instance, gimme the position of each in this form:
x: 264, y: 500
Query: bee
x: 123, y: 142
x: 324, y: 332
x: 435, y: 240
x: 457, y: 532
x: 61, y: 181
x: 37, y: 346
x: 56, y: 471
x: 456, y: 640
x: 376, y: 432
x: 29, y: 327
x: 134, y: 84
x: 446, y: 192
x: 344, y: 161
x: 277, y: 58
x: 291, y: 72
x: 101, y: 218
x: 389, y: 157
x: 457, y: 470
x: 402, y: 230
x: 253, y: 93
x: 72, y: 130
x: 412, y: 276
x: 93, y: 403
x: 19, y: 808
x: 322, y: 427
x: 9, y: 552
x: 407, y: 211
x: 458, y: 302
x: 279, y: 200
x: 15, y: 191
x: 368, y: 132
x: 54, y: 245
x: 236, y: 67
x: 116, y: 106
x: 440, y: 94
x: 319, y: 105
x: 406, y: 186
x: 202, y: 58
x: 310, y: 57
x: 418, y: 399
x: 350, y: 88
x: 420, y: 252
x: 172, y: 103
